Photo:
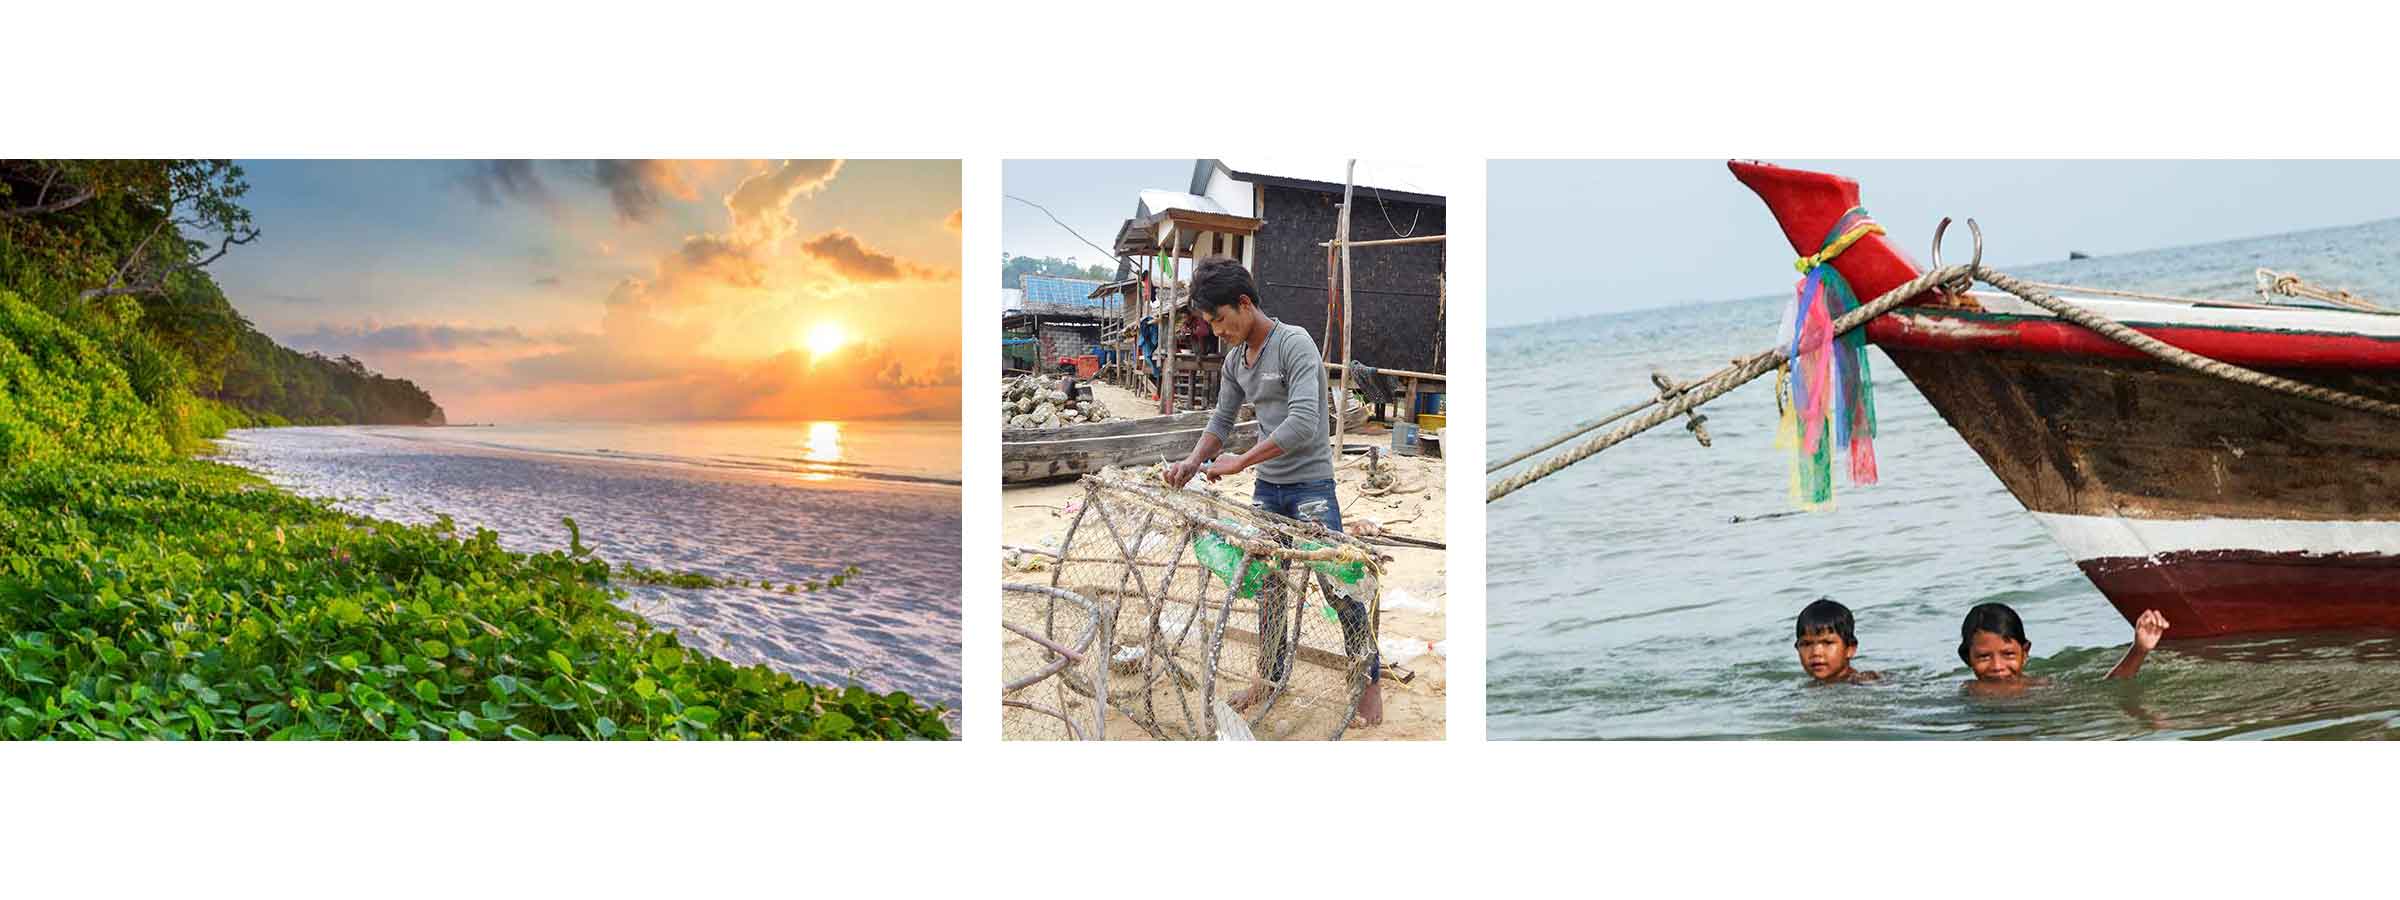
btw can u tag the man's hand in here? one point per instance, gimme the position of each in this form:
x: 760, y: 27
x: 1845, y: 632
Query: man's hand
x: 2148, y: 629
x: 1223, y: 465
x: 1180, y: 473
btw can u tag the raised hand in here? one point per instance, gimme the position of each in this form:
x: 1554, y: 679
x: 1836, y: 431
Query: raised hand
x: 2148, y: 629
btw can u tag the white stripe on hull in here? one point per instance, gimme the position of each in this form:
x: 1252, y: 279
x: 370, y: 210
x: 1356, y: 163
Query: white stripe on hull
x: 2150, y: 312
x: 2096, y: 537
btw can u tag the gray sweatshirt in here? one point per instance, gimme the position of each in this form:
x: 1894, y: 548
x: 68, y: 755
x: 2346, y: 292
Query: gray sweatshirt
x: 1287, y: 390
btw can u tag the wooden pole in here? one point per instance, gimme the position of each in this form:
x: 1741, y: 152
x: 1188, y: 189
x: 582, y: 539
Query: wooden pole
x: 1342, y: 394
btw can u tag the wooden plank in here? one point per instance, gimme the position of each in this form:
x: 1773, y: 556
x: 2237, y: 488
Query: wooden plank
x: 1308, y: 654
x: 1420, y: 239
x: 1035, y: 454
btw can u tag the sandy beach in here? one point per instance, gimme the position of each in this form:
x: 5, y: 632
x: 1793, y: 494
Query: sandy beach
x: 1414, y: 587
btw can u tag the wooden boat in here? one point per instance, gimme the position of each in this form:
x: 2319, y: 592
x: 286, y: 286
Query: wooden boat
x: 2229, y: 508
x: 1040, y: 454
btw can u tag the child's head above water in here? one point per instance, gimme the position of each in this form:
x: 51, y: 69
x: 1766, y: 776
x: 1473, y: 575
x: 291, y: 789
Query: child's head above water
x: 1992, y: 642
x: 1826, y: 640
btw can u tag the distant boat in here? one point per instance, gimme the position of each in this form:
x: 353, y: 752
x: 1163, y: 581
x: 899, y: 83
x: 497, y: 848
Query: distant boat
x: 2228, y: 508
x: 2073, y: 255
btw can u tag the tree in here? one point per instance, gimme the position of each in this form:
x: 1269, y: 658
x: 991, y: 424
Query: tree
x: 186, y: 196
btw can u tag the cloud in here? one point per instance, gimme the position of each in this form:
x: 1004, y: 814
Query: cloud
x: 713, y: 257
x: 895, y: 375
x: 954, y: 223
x: 636, y: 186
x: 497, y: 181
x: 408, y: 338
x: 859, y: 262
x: 761, y: 205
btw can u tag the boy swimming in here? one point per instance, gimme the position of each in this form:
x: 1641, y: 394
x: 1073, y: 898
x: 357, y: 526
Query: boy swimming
x: 1993, y: 644
x: 1826, y: 638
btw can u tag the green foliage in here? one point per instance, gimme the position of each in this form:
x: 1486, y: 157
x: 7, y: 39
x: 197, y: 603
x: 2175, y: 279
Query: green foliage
x: 61, y: 395
x: 181, y: 599
x: 1014, y: 267
x: 182, y: 336
x: 147, y: 596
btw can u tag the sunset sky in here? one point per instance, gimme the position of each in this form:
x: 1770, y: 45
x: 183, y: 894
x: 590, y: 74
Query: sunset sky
x: 619, y: 290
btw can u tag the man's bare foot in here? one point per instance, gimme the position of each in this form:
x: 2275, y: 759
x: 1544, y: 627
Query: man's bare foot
x: 1370, y: 707
x: 1247, y: 697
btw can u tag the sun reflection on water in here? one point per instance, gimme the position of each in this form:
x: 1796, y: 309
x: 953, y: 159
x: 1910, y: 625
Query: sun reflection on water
x: 824, y: 446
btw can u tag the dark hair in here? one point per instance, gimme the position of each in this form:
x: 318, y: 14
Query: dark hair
x: 1825, y: 615
x: 1996, y: 618
x: 1220, y: 281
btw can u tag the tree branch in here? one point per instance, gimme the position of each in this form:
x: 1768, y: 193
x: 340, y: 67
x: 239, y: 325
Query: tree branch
x: 159, y: 283
x: 62, y: 203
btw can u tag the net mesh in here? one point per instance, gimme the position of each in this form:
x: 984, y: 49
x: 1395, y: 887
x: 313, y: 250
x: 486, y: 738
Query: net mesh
x: 1054, y: 661
x: 1222, y: 621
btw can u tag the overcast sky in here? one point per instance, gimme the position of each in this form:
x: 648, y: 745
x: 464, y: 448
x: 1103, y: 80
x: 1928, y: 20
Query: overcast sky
x: 1092, y: 196
x: 1577, y: 238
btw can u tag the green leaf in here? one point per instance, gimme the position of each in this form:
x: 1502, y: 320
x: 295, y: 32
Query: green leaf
x: 427, y: 692
x: 560, y: 660
x: 645, y: 688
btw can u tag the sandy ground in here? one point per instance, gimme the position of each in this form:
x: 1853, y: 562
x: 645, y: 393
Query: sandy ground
x: 1033, y: 516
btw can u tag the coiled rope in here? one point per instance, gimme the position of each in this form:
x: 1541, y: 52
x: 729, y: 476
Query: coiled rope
x: 1743, y: 371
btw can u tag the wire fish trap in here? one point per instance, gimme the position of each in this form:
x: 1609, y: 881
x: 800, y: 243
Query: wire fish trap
x: 1217, y: 599
x: 1052, y: 641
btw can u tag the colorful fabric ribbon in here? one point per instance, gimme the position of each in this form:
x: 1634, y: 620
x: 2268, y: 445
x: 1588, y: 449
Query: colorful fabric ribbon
x: 1825, y: 392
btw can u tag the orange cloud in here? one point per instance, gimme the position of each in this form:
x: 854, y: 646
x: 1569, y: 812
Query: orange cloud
x: 859, y: 262
x: 761, y: 204
x: 953, y: 223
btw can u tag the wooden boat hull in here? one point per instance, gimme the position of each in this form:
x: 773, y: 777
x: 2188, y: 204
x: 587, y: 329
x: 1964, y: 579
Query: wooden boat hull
x: 2229, y: 511
x: 1042, y: 454
x: 2228, y: 508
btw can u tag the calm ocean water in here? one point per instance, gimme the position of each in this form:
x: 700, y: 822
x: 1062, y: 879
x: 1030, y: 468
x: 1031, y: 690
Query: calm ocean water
x: 1627, y: 601
x: 781, y: 502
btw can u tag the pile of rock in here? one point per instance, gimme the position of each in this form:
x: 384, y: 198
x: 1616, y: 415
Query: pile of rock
x: 1041, y: 401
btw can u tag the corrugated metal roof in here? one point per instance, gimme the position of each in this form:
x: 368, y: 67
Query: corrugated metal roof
x: 1051, y: 290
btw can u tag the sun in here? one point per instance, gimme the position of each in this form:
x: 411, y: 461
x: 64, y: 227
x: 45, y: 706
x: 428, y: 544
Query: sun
x: 825, y: 338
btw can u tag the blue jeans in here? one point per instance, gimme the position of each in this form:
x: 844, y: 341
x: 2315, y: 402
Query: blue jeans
x: 1308, y: 501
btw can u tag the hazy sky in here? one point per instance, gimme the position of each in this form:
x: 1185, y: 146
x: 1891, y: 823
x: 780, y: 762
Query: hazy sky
x: 650, y: 289
x: 1576, y: 238
x: 1093, y: 196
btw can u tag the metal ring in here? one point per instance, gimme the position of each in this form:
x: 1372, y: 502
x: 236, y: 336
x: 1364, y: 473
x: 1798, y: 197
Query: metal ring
x: 1974, y: 265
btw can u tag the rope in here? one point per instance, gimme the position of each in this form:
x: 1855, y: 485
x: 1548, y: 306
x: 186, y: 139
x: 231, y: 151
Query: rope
x: 1576, y: 432
x: 1718, y: 383
x: 2123, y: 334
x: 1854, y: 235
x: 2271, y: 282
x: 1745, y: 370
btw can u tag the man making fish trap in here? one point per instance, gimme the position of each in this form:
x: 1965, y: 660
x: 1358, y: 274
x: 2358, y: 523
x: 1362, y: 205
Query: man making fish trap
x: 1274, y: 368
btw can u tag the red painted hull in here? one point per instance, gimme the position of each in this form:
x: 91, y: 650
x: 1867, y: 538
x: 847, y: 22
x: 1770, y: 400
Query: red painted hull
x: 2239, y: 592
x: 1952, y: 330
x: 2078, y: 425
x: 1807, y: 204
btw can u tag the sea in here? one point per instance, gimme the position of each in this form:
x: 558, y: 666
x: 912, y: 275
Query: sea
x: 1649, y: 592
x: 784, y: 502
